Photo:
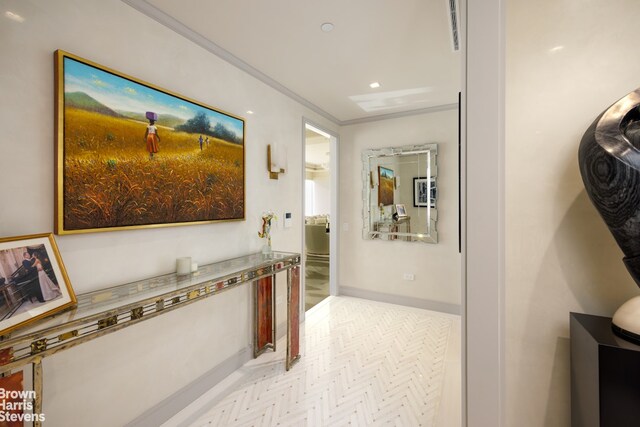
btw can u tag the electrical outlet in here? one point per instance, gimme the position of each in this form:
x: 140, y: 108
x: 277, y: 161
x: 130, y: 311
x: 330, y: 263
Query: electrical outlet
x: 408, y: 276
x: 279, y: 300
x: 345, y: 226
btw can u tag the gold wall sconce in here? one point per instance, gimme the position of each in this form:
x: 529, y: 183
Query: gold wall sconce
x: 275, y: 161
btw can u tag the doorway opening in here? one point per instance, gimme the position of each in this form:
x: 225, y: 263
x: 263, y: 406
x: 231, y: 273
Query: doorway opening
x: 319, y: 236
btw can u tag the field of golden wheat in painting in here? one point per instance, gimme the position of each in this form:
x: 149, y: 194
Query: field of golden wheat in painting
x: 386, y: 186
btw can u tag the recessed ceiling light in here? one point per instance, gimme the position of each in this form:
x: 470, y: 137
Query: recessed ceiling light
x: 13, y: 16
x: 556, y: 49
x: 374, y: 85
x: 249, y: 112
x: 326, y: 27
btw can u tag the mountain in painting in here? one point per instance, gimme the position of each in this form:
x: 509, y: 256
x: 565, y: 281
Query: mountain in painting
x: 83, y: 101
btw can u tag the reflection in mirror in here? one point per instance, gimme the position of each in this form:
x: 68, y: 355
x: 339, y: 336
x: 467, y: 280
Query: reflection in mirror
x: 400, y: 193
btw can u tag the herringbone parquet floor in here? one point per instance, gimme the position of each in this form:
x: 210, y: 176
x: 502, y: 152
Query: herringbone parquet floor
x: 364, y: 363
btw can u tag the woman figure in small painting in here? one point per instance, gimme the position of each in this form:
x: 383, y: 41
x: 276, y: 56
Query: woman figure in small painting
x: 151, y: 135
x: 49, y: 289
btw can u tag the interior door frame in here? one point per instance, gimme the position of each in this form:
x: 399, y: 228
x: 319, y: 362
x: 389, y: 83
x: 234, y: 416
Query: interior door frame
x: 334, y: 143
x: 483, y: 212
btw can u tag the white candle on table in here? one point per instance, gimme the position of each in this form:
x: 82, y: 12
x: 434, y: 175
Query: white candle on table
x: 183, y: 266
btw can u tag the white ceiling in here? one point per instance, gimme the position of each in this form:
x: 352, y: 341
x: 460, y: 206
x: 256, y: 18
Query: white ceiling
x: 317, y: 149
x: 405, y: 45
x: 317, y: 155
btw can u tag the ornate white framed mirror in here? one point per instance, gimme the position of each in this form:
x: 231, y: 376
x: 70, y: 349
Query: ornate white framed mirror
x: 400, y: 193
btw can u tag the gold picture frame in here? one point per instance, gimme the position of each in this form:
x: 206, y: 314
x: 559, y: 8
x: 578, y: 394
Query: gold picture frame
x: 132, y: 155
x: 33, y: 281
x: 401, y: 210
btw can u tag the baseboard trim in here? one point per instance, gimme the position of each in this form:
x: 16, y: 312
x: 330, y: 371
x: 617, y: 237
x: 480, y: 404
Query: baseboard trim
x: 442, y: 307
x: 169, y: 407
x: 174, y: 404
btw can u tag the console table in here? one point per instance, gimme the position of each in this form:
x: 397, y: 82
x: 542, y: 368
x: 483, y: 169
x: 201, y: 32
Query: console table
x: 108, y: 310
x: 392, y: 226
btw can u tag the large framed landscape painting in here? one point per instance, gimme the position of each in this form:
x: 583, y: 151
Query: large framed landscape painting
x: 132, y: 155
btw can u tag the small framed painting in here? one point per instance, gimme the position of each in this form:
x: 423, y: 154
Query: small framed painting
x: 33, y: 281
x: 386, y: 186
x: 401, y: 210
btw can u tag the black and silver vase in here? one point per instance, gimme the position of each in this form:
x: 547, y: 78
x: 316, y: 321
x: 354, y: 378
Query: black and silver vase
x: 609, y: 158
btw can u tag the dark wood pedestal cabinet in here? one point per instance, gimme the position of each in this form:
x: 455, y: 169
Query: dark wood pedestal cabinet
x: 605, y: 375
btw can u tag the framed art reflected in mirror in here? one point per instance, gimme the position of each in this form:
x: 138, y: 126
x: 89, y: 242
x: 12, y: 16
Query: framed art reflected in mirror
x: 424, y: 192
x: 386, y: 186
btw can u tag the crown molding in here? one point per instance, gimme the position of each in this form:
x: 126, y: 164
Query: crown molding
x: 173, y: 24
x: 180, y: 28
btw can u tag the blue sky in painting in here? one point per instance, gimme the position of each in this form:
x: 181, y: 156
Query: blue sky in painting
x: 121, y: 94
x: 385, y: 172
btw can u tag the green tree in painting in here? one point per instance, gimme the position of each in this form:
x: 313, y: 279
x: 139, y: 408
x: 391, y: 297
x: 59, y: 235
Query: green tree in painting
x: 221, y: 132
x: 198, y: 124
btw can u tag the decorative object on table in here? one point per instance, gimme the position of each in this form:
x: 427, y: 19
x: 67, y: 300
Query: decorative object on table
x: 401, y: 210
x: 265, y: 231
x: 276, y: 160
x: 386, y: 186
x: 183, y: 266
x: 424, y: 192
x: 121, y: 166
x: 36, y: 283
x: 609, y: 159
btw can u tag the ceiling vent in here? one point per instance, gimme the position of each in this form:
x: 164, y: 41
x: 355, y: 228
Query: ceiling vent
x: 453, y: 14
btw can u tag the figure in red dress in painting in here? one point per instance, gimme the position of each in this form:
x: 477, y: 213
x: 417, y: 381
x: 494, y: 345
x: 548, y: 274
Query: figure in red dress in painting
x: 151, y: 135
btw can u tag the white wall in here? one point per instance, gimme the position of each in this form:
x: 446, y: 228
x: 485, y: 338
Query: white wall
x: 560, y: 256
x: 376, y: 265
x: 113, y: 379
